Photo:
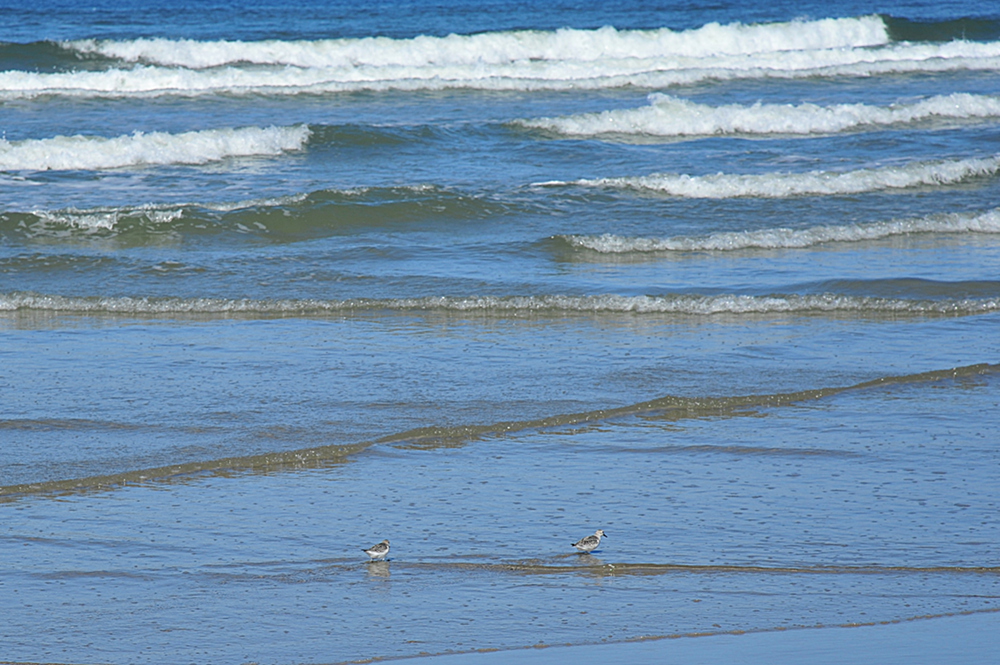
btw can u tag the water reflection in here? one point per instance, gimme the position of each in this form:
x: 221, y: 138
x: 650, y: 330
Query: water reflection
x: 595, y: 565
x: 378, y: 569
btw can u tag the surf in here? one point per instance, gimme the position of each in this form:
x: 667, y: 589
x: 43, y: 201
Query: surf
x: 788, y: 238
x: 518, y: 60
x: 81, y: 152
x: 673, y: 117
x: 778, y: 185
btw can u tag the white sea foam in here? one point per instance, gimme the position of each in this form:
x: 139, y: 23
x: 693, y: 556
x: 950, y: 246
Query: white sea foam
x: 696, y: 305
x: 94, y: 152
x: 812, y: 183
x: 519, y: 60
x: 673, y: 117
x: 784, y: 238
x: 105, y: 219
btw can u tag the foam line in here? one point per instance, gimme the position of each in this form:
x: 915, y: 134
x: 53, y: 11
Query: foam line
x: 673, y: 304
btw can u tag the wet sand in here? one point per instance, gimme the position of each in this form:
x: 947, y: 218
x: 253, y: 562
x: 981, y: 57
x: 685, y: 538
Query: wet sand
x: 970, y: 639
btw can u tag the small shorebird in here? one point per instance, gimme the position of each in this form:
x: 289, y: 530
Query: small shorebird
x: 590, y: 543
x: 378, y: 551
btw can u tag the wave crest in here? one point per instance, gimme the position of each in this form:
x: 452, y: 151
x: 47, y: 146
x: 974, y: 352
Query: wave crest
x: 668, y: 116
x: 515, y: 60
x: 812, y: 183
x: 146, y: 149
x: 784, y: 238
x: 293, y: 216
x: 499, y: 47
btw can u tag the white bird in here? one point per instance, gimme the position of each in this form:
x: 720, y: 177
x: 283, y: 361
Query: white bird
x: 378, y: 551
x: 590, y: 543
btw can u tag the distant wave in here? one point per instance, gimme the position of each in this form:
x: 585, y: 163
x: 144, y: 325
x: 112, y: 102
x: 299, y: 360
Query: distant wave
x: 515, y: 60
x: 139, y: 148
x: 672, y: 117
x: 812, y: 183
x: 784, y: 238
x: 696, y: 305
x: 501, y: 47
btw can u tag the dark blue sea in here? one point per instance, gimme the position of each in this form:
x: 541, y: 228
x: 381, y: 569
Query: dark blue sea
x: 281, y: 280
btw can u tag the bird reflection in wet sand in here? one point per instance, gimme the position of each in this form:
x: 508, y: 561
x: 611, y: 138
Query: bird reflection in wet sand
x: 590, y: 543
x: 378, y: 568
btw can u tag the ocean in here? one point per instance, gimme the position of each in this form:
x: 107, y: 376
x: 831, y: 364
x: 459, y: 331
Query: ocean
x: 279, y: 281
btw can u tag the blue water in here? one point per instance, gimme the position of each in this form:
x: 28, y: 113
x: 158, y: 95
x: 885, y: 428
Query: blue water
x: 279, y: 283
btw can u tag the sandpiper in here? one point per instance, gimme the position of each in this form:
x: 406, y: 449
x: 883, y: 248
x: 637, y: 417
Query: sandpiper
x: 590, y: 543
x: 379, y: 551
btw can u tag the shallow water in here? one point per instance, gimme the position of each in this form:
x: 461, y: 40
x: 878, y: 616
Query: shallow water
x: 272, y: 291
x: 729, y: 514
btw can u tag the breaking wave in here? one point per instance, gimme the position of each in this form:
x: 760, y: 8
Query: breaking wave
x: 812, y: 183
x: 512, y: 60
x: 145, y: 149
x: 784, y: 238
x: 497, y: 48
x: 668, y: 116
